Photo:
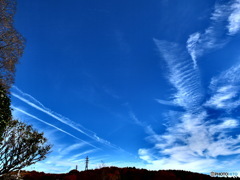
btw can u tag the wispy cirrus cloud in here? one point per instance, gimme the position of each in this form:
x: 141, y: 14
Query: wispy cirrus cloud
x: 196, y: 141
x: 225, y: 89
x: 148, y: 129
x: 225, y: 21
x: 164, y: 102
x: 71, y: 148
x: 75, y: 156
x: 182, y: 75
x: 65, y: 159
x: 193, y: 144
x: 234, y: 18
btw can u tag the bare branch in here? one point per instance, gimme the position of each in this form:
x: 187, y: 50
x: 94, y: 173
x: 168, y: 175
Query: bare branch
x: 22, y: 147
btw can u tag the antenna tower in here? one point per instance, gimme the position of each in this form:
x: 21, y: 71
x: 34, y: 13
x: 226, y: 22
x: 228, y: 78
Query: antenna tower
x: 87, y: 160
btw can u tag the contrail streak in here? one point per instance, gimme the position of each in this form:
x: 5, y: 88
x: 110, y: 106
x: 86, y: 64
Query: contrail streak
x: 59, y: 117
x: 34, y: 117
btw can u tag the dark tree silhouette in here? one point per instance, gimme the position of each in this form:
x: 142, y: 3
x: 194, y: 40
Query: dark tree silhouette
x: 21, y: 147
x: 11, y: 43
x: 5, y: 110
x: 20, y: 144
x: 114, y: 173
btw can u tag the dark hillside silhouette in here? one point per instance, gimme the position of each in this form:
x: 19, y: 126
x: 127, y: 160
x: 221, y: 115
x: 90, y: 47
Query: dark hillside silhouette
x: 115, y: 173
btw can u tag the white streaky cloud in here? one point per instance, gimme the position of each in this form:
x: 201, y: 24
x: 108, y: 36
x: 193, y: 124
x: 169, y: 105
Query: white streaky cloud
x: 224, y: 147
x: 136, y: 120
x: 191, y: 143
x: 47, y: 111
x: 75, y: 157
x: 148, y: 129
x: 56, y: 164
x: 198, y: 165
x: 69, y: 153
x: 51, y: 125
x: 145, y: 155
x: 195, y: 142
x: 72, y: 147
x: 188, y: 132
x: 28, y: 96
x: 64, y: 162
x: 70, y: 156
x: 229, y: 123
x: 164, y: 102
x: 183, y: 159
x: 225, y: 90
x: 221, y: 12
x: 182, y: 75
x: 224, y: 100
x: 234, y: 18
x: 191, y: 46
x: 224, y: 126
x: 39, y: 106
x: 226, y: 15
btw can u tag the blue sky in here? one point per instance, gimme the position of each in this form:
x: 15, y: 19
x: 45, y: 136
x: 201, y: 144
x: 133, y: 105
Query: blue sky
x: 132, y: 83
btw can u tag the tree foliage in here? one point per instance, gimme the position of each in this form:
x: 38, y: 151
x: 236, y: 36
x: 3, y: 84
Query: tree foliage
x: 11, y: 43
x: 20, y: 144
x: 21, y: 147
x: 5, y: 110
x: 11, y: 49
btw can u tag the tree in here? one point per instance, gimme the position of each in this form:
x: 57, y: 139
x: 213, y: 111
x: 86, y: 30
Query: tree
x: 21, y: 147
x: 5, y: 111
x: 11, y: 43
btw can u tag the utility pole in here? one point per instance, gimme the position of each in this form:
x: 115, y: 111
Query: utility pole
x: 87, y: 160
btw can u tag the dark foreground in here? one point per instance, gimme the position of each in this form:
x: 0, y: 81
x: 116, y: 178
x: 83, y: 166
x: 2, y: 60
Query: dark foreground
x: 114, y: 173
